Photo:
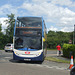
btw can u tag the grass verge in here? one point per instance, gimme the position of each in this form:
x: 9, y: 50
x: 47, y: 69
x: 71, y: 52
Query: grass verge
x: 56, y: 60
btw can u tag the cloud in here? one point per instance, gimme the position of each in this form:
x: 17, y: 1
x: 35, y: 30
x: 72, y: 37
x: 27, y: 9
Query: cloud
x: 52, y: 29
x: 7, y: 9
x: 53, y: 11
x: 63, y: 2
x: 67, y: 29
x: 4, y: 10
x: 64, y: 29
x: 60, y: 16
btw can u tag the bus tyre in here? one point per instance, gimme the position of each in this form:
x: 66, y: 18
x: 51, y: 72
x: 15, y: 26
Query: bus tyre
x: 6, y: 51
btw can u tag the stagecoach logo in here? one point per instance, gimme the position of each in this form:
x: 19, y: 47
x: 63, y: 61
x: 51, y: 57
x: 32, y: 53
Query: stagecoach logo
x: 27, y: 52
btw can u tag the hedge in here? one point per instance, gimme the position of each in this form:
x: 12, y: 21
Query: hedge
x: 68, y: 50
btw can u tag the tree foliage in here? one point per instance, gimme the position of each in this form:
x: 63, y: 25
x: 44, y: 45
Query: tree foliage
x: 69, y: 49
x: 8, y: 37
x: 10, y: 27
x: 58, y: 37
x: 0, y: 27
x: 2, y: 38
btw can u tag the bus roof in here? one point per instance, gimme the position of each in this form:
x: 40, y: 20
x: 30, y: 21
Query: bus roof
x: 29, y: 18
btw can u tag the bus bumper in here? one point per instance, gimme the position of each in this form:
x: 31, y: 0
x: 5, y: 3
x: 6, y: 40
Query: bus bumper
x: 39, y: 58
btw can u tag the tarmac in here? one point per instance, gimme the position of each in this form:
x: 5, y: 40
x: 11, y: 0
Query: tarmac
x: 63, y: 66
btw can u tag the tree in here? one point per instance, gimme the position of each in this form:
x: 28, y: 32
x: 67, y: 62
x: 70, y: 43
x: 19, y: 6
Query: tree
x: 6, y: 38
x: 0, y: 27
x: 58, y: 37
x: 10, y: 27
x: 2, y: 38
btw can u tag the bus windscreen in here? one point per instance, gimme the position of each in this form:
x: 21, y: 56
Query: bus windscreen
x: 28, y: 33
x: 28, y: 42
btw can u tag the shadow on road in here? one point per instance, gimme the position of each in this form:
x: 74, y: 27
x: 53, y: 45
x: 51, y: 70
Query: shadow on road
x: 26, y: 62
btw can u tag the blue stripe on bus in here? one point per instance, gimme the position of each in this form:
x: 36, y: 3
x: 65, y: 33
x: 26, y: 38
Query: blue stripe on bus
x: 27, y: 49
x: 42, y: 28
x: 14, y: 27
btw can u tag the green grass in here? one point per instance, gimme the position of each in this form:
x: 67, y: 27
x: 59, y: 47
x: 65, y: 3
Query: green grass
x: 56, y: 60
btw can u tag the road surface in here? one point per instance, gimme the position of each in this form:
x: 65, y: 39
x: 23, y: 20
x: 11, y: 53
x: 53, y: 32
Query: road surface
x: 10, y: 67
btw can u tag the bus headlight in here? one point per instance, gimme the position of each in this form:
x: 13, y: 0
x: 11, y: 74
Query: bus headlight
x: 16, y: 53
x: 38, y: 54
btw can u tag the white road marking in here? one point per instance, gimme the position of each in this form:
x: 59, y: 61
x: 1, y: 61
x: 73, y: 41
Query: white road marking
x: 55, y: 67
x: 46, y: 66
x: 7, y: 57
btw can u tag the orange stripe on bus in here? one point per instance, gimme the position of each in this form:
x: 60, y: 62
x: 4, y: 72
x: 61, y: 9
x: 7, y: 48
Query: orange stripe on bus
x: 27, y: 32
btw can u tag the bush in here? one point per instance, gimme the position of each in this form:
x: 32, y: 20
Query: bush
x: 68, y: 50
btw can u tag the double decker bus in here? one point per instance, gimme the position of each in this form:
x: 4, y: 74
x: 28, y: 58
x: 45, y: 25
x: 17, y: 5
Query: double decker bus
x: 29, y: 39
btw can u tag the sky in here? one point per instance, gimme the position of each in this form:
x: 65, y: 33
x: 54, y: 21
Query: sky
x: 59, y: 15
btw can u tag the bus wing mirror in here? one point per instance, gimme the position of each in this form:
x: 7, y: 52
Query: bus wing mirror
x: 43, y: 39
